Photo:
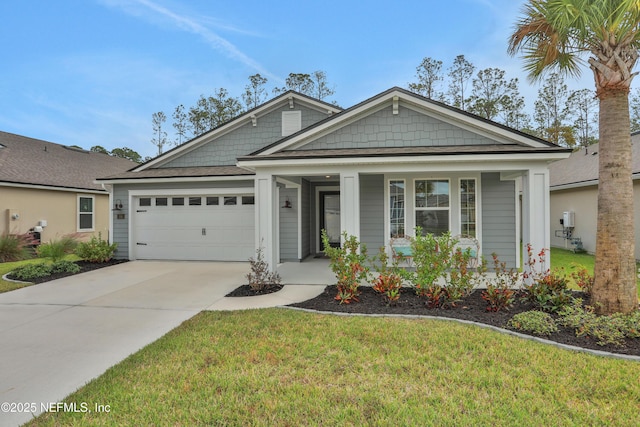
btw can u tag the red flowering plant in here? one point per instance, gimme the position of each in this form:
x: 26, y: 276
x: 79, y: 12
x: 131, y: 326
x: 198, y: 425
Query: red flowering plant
x: 390, y: 277
x: 545, y: 289
x: 500, y: 293
x: 348, y: 264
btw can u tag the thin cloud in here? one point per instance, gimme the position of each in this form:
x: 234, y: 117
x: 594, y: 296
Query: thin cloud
x: 192, y: 26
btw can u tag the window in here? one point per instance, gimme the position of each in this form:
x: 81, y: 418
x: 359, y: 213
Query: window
x: 468, y: 207
x: 161, y: 201
x: 212, y: 201
x: 432, y: 205
x: 248, y: 200
x: 195, y: 201
x: 145, y: 201
x: 230, y: 200
x: 396, y: 208
x: 177, y: 201
x: 85, y: 213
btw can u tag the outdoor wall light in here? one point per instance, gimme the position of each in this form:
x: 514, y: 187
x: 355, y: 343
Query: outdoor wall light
x: 118, y: 205
x: 287, y: 204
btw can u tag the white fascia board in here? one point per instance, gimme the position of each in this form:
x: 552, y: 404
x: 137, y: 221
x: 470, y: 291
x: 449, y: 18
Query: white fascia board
x: 444, y: 159
x: 51, y: 188
x: 179, y: 179
x: 191, y: 191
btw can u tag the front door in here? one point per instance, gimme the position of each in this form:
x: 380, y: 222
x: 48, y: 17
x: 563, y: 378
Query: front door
x: 330, y: 217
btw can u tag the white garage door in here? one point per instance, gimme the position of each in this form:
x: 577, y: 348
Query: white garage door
x: 194, y: 227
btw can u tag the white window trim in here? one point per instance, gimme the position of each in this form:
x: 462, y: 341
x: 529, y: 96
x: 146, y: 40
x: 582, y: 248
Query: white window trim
x: 464, y: 178
x: 448, y: 208
x: 454, y: 200
x: 93, y: 213
x: 388, y: 206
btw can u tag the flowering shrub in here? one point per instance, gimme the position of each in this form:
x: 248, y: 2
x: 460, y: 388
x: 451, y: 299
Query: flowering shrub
x: 389, y: 280
x: 500, y: 294
x: 583, y: 278
x: 348, y: 264
x: 548, y: 291
x: 96, y: 249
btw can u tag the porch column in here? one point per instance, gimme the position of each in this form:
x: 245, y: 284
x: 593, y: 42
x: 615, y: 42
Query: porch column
x: 266, y: 238
x: 536, y: 226
x: 350, y: 203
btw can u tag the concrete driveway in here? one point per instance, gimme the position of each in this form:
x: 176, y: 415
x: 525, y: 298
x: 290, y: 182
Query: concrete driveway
x: 57, y: 336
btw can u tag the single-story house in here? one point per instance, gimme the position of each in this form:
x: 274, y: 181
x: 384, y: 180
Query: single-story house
x: 277, y: 175
x: 50, y: 188
x: 574, y: 190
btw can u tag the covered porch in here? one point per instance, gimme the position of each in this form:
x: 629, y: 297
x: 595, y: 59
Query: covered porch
x: 376, y: 204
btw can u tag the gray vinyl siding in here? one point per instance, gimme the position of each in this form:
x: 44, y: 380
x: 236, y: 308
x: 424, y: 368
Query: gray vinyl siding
x: 289, y: 225
x: 372, y: 212
x: 244, y: 140
x: 120, y: 193
x: 406, y: 129
x: 499, y: 218
x: 305, y: 205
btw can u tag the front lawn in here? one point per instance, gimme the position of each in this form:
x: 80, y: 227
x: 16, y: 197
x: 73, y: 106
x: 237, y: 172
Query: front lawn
x: 283, y: 367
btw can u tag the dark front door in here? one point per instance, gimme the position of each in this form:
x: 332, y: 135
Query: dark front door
x: 330, y: 217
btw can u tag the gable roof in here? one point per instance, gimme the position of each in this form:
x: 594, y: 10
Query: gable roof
x: 580, y: 169
x: 394, y: 97
x: 34, y: 162
x: 290, y: 97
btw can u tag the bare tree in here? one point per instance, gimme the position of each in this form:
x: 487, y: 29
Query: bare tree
x: 159, y: 136
x: 255, y: 93
x: 459, y: 74
x: 428, y: 73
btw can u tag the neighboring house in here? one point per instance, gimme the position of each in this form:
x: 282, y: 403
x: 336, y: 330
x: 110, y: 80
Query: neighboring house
x: 574, y: 188
x: 51, y: 186
x: 277, y: 175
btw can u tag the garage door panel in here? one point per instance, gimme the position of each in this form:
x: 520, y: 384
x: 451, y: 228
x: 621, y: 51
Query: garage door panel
x: 220, y: 233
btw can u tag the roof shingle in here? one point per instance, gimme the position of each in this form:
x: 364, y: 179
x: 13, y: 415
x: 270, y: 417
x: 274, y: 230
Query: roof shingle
x: 31, y: 161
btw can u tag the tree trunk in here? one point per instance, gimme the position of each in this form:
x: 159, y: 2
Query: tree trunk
x: 615, y: 288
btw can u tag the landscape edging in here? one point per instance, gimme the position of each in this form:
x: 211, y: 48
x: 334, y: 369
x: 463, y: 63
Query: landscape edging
x: 482, y: 325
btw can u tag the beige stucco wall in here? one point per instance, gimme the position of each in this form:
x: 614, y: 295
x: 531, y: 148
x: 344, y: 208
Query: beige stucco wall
x: 58, y: 208
x: 584, y: 202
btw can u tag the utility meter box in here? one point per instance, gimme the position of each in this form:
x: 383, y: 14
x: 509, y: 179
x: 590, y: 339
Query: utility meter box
x: 569, y: 219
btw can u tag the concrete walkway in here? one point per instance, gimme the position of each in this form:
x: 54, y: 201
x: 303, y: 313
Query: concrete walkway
x: 57, y: 336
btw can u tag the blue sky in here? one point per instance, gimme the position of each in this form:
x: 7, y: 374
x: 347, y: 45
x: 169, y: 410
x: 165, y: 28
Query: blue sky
x: 92, y: 72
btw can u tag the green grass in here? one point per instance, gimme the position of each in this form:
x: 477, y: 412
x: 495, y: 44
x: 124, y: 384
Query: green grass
x: 562, y: 258
x: 283, y: 367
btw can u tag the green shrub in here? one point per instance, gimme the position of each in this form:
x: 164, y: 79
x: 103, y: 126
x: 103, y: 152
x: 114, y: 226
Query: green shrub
x: 15, y: 247
x: 96, y: 249
x: 65, y: 266
x: 58, y: 249
x: 604, y: 329
x: 32, y: 271
x: 536, y: 322
x: 348, y: 263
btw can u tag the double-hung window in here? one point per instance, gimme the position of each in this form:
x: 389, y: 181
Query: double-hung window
x: 86, y: 213
x: 432, y: 205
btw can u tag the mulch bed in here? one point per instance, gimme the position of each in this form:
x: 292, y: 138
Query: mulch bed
x: 472, y: 308
x: 84, y: 267
x: 246, y: 291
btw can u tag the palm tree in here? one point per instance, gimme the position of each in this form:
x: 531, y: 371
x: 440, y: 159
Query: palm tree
x: 557, y: 35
